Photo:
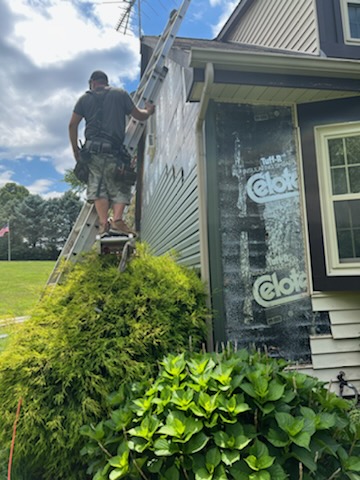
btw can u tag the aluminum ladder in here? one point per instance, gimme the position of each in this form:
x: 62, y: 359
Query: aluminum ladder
x: 83, y: 234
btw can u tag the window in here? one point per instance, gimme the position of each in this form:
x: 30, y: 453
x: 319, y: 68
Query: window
x: 350, y: 10
x: 338, y: 160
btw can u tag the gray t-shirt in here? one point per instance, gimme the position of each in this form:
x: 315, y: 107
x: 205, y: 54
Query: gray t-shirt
x: 110, y: 123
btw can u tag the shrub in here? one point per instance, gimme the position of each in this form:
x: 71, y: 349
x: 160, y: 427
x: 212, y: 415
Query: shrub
x: 97, y: 330
x: 231, y: 416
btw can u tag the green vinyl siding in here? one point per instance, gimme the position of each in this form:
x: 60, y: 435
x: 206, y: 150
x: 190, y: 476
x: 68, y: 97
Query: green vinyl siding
x: 171, y: 221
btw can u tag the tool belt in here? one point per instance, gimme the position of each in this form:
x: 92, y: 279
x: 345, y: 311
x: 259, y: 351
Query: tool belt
x: 124, y: 171
x: 100, y: 146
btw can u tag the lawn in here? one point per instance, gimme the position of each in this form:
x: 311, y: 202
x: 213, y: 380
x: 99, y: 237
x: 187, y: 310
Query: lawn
x: 21, y: 284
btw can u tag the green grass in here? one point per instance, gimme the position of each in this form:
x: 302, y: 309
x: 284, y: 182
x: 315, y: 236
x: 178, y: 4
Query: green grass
x: 21, y: 284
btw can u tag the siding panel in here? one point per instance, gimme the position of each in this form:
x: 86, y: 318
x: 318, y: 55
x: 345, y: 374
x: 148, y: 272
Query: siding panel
x: 169, y: 218
x: 170, y: 221
x: 283, y: 24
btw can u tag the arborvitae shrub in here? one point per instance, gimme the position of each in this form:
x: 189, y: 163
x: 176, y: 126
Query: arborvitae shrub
x: 87, y: 336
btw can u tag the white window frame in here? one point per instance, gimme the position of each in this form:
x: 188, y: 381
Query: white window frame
x: 348, y: 39
x: 322, y: 134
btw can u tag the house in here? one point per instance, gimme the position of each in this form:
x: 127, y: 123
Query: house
x: 250, y: 170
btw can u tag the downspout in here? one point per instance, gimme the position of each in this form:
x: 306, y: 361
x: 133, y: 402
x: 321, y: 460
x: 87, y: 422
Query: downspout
x: 202, y: 190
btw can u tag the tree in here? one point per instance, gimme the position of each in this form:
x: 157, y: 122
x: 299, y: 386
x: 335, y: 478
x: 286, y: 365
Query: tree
x: 38, y: 227
x: 59, y: 217
x: 29, y: 220
x: 11, y: 195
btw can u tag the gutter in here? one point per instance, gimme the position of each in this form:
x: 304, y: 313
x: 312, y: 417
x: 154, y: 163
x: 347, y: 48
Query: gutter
x: 202, y: 189
x: 299, y: 64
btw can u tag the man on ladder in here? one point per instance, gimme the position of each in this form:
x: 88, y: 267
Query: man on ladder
x: 110, y: 175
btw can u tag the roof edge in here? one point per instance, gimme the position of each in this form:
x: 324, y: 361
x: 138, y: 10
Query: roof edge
x: 274, y: 63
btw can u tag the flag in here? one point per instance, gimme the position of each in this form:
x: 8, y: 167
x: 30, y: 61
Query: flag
x: 4, y: 230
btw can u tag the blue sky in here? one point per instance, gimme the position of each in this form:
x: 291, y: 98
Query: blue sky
x: 48, y: 48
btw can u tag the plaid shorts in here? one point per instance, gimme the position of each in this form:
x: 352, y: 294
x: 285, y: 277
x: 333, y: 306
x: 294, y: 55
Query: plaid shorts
x: 102, y: 182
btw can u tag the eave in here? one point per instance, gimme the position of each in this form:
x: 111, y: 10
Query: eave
x: 269, y: 77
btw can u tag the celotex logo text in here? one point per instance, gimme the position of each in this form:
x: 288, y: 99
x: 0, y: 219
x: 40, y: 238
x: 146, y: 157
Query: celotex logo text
x: 269, y: 290
x: 262, y: 187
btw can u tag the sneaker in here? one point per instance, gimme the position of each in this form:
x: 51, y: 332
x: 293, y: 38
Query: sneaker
x: 119, y: 227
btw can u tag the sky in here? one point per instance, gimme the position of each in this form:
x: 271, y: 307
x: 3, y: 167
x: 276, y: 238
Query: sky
x: 48, y: 49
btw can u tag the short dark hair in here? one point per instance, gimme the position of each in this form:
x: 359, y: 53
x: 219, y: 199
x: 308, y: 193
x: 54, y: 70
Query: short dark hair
x: 98, y: 75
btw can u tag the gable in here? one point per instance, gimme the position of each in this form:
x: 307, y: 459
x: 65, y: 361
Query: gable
x: 290, y: 25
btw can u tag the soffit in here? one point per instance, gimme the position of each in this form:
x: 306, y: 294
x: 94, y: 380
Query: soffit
x: 297, y: 77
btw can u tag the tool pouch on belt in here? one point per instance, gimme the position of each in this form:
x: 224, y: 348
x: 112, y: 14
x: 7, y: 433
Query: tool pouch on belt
x: 124, y: 171
x: 81, y: 170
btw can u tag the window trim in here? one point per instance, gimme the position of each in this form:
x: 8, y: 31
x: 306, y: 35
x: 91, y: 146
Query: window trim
x: 348, y: 39
x: 322, y: 134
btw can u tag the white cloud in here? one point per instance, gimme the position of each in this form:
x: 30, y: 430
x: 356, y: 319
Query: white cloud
x: 50, y: 48
x: 57, y: 30
x: 40, y: 187
x: 5, y: 176
x: 228, y: 8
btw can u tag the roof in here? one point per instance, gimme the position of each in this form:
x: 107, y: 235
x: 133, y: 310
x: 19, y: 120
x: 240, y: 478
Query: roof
x: 251, y: 73
x: 189, y: 43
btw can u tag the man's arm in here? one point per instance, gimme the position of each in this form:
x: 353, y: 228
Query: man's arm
x: 143, y: 113
x: 73, y: 133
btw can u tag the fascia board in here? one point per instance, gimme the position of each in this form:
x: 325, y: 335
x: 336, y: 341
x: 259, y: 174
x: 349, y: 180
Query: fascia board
x: 223, y: 59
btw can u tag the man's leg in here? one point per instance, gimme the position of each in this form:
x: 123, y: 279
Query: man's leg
x: 118, y: 210
x: 102, y: 209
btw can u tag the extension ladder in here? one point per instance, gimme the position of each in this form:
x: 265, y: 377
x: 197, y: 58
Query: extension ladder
x: 83, y: 233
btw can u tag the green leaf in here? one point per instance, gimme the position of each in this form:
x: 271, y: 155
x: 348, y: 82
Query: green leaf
x: 196, y: 443
x: 174, y: 365
x: 212, y: 459
x: 265, y: 462
x: 263, y: 475
x: 277, y: 472
x: 305, y: 457
x: 223, y: 374
x: 180, y: 426
x: 325, y: 442
x: 353, y: 464
x: 302, y: 439
x: 223, y: 440
x: 220, y: 473
x: 240, y: 471
x: 288, y: 423
x: 276, y: 391
x: 259, y: 449
x: 261, y: 386
x: 249, y: 389
x: 154, y: 465
x: 146, y: 429
x: 203, y: 474
x: 352, y: 476
x: 164, y: 447
x: 182, y: 398
x: 277, y: 438
x: 252, y: 462
x: 172, y: 473
x: 120, y: 461
x: 117, y: 473
x: 325, y: 420
x: 208, y: 403
x: 229, y: 457
x: 96, y: 433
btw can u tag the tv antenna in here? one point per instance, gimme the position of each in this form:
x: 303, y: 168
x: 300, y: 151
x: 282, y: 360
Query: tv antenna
x: 127, y: 7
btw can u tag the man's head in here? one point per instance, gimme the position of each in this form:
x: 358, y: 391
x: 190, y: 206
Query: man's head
x: 98, y: 79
